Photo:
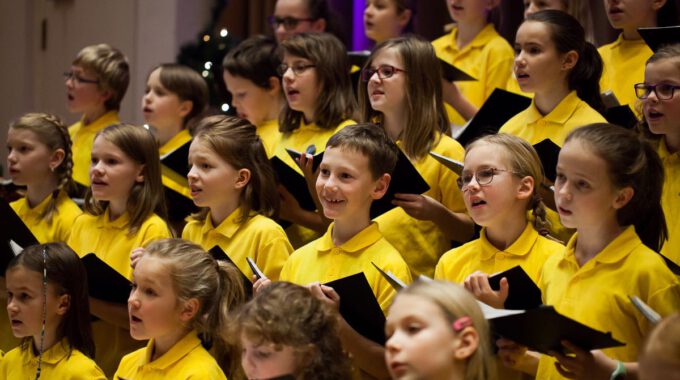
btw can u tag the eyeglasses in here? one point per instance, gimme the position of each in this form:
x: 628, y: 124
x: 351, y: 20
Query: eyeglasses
x: 298, y: 68
x: 663, y: 91
x: 78, y: 79
x: 482, y: 176
x: 289, y: 23
x: 384, y: 71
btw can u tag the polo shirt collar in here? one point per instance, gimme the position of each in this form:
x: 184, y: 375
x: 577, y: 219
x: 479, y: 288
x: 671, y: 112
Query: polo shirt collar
x: 364, y: 239
x: 175, y: 142
x: 520, y: 247
x: 24, y: 207
x: 559, y: 115
x: 228, y: 227
x: 52, y: 356
x: 481, y: 39
x: 123, y: 221
x: 180, y: 350
x: 105, y: 120
x: 617, y: 250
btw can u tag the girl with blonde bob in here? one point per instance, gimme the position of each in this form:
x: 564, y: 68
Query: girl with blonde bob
x: 436, y: 330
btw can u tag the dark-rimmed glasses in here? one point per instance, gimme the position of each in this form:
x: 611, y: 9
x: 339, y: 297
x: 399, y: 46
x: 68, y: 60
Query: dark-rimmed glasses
x: 482, y: 176
x: 297, y: 68
x: 78, y: 79
x: 384, y: 71
x: 663, y: 91
x: 289, y: 23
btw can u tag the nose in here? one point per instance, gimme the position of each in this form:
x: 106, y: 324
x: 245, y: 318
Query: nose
x: 530, y: 9
x: 192, y: 175
x: 519, y: 59
x: 393, y: 344
x: 133, y: 301
x: 11, y: 157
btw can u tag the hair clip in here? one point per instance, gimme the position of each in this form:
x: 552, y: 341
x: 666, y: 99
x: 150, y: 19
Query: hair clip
x: 461, y: 323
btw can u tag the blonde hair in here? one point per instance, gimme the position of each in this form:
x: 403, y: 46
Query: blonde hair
x: 661, y: 350
x: 146, y: 197
x: 51, y: 132
x: 456, y: 302
x: 236, y: 141
x: 111, y: 68
x: 426, y: 118
x: 524, y: 162
x: 217, y: 286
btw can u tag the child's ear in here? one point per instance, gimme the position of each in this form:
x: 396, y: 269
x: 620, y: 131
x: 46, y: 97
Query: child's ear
x: 526, y: 188
x: 140, y: 174
x: 570, y: 60
x: 466, y: 343
x: 56, y: 159
x: 274, y: 86
x: 185, y: 108
x: 381, y: 186
x: 657, y: 4
x: 491, y: 4
x: 243, y: 178
x: 319, y: 25
x: 63, y: 304
x: 623, y: 197
x: 405, y: 17
x: 189, y: 310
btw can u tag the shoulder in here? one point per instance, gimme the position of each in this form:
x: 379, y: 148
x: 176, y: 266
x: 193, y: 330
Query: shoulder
x: 82, y: 367
x: 129, y: 363
x: 192, y: 227
x: 261, y: 224
x: 443, y: 41
x: 154, y: 224
x: 460, y: 254
x: 199, y: 364
x: 548, y: 246
x: 449, y: 147
x: 494, y: 43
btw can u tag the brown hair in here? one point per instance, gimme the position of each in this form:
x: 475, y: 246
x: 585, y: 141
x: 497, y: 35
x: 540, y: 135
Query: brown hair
x: 110, y: 67
x: 371, y: 141
x: 51, y: 132
x: 426, y: 117
x: 524, y: 162
x: 456, y: 302
x: 66, y: 272
x: 670, y: 52
x: 254, y: 59
x: 217, y: 286
x: 288, y: 314
x: 336, y: 101
x: 187, y: 84
x: 146, y: 197
x: 631, y: 162
x: 236, y: 141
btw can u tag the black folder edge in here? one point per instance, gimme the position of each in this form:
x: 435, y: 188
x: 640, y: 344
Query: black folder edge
x: 649, y: 313
x: 316, y: 159
x: 658, y: 37
x: 450, y: 163
x: 178, y: 160
x: 490, y: 118
x: 358, y: 57
x: 675, y: 268
x: 359, y: 307
x: 520, y: 327
x: 621, y: 115
x: 15, y: 236
x: 294, y: 182
x: 218, y: 254
x: 548, y: 152
x: 453, y: 74
x: 104, y: 282
x: 256, y: 270
x: 409, y: 181
x: 396, y: 283
x: 524, y: 294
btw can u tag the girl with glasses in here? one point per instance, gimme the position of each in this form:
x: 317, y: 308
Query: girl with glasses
x: 403, y: 95
x: 660, y: 97
x: 320, y: 102
x: 293, y: 17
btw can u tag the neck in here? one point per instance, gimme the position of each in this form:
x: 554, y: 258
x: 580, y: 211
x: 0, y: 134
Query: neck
x: 631, y: 32
x: 592, y: 240
x: 672, y: 141
x: 165, y: 134
x: 49, y: 340
x: 505, y: 234
x: 89, y: 117
x: 394, y: 124
x: 344, y: 230
x: 117, y: 207
x: 546, y: 101
x: 219, y: 213
x: 277, y: 106
x: 308, y: 116
x: 163, y: 344
x: 467, y: 31
x: 36, y: 193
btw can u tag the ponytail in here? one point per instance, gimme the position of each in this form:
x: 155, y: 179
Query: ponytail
x: 541, y: 223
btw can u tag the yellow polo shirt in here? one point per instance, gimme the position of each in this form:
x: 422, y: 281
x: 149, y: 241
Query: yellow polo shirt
x: 63, y: 217
x: 57, y: 363
x: 488, y: 58
x: 323, y: 261
x: 112, y: 243
x: 82, y: 137
x: 421, y: 242
x: 300, y: 139
x: 670, y: 201
x: 624, y: 66
x: 187, y: 359
x: 570, y: 113
x: 270, y: 136
x: 596, y: 294
x: 259, y: 238
x: 529, y: 251
x: 170, y: 178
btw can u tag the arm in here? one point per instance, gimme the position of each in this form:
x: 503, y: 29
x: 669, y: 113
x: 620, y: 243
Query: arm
x: 292, y: 212
x: 594, y: 364
x: 455, y: 99
x: 113, y: 313
x: 456, y: 226
x: 517, y: 357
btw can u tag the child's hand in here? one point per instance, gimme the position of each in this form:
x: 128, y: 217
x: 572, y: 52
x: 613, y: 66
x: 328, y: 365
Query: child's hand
x: 510, y: 353
x: 306, y: 162
x: 326, y: 294
x: 290, y: 207
x: 135, y: 256
x: 581, y: 364
x: 478, y: 284
x: 260, y: 284
x: 418, y: 206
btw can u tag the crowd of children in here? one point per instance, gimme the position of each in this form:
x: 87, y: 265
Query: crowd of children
x: 256, y: 288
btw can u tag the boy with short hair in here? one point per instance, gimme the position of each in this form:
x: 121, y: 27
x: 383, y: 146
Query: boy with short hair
x: 354, y: 172
x: 95, y: 86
